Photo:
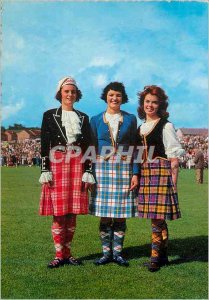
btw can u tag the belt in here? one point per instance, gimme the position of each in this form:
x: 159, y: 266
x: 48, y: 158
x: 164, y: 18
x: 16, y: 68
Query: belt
x: 122, y: 157
x: 64, y: 149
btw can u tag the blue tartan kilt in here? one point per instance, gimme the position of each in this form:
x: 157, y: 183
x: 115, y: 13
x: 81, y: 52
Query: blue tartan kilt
x: 111, y: 196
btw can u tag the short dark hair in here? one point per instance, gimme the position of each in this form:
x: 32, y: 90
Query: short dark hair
x: 162, y: 98
x: 78, y: 92
x: 115, y: 86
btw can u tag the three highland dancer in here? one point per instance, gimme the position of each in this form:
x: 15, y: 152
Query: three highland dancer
x: 104, y: 169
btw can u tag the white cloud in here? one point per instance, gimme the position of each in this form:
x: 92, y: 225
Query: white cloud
x: 101, y: 61
x: 137, y: 44
x: 200, y: 82
x: 13, y: 47
x: 11, y: 109
x: 100, y: 80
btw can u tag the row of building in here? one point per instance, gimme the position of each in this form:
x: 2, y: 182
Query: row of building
x: 182, y: 132
x: 24, y: 134
x: 20, y: 135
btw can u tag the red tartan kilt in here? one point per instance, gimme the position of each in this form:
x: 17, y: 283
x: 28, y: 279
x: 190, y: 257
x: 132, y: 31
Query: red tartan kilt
x: 66, y: 194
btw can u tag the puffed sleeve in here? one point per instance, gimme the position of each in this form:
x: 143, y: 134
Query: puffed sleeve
x: 45, y: 143
x: 173, y: 148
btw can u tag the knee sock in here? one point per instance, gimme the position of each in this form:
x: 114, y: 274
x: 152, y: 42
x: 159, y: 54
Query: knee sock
x: 70, y: 226
x: 106, y: 238
x: 58, y: 233
x: 164, y: 245
x: 156, y: 240
x: 118, y: 238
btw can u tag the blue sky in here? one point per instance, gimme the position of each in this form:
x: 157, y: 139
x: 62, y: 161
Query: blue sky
x: 137, y: 43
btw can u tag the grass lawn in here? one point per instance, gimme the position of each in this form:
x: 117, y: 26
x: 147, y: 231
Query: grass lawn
x: 27, y: 247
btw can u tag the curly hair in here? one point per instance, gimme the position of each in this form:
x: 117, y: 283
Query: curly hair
x: 162, y: 98
x: 78, y: 97
x: 115, y: 86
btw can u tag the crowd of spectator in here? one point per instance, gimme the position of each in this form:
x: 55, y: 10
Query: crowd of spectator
x: 190, y: 143
x: 27, y: 153
x: 21, y: 153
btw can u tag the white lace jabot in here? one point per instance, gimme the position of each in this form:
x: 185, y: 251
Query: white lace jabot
x: 71, y: 122
x: 113, y: 120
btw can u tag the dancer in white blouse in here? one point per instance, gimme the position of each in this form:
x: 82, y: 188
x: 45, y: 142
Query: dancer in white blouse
x: 64, y: 131
x: 158, y: 199
x: 114, y: 197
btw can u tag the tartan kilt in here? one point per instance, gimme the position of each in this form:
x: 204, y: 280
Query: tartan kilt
x: 111, y: 196
x: 157, y: 198
x: 66, y: 195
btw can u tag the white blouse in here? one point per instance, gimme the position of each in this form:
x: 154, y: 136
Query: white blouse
x: 113, y: 120
x: 172, y: 146
x: 71, y: 122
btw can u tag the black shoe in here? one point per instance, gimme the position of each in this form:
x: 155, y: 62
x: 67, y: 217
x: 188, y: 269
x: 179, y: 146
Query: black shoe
x: 121, y: 261
x: 152, y: 266
x: 56, y: 263
x: 103, y: 260
x: 72, y: 261
x: 164, y: 262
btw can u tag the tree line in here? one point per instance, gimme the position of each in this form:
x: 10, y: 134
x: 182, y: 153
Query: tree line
x: 16, y: 126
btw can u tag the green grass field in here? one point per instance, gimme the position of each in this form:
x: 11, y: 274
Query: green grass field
x: 27, y: 247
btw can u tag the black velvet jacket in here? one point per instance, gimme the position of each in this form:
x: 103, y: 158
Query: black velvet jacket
x: 54, y: 134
